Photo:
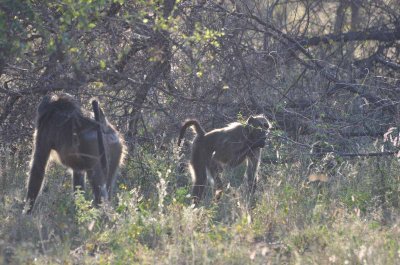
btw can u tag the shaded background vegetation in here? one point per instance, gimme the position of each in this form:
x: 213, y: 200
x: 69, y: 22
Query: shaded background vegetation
x: 325, y: 72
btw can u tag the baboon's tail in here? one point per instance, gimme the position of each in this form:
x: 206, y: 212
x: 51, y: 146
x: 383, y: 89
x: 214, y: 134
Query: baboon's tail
x: 103, y: 158
x: 197, y: 127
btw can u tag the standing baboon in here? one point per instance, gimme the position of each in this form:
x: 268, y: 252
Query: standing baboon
x: 228, y: 146
x: 80, y: 142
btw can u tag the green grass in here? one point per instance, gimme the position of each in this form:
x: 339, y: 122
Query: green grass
x: 348, y: 220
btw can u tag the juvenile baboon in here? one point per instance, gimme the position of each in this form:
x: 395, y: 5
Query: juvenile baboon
x: 81, y: 143
x: 225, y: 147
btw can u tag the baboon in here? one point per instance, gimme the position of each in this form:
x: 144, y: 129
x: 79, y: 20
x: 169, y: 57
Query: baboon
x: 225, y: 147
x: 80, y: 142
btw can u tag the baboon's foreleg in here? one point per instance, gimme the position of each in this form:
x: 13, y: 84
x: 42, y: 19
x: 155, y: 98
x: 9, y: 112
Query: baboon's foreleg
x: 239, y: 157
x: 78, y: 180
x: 253, y: 162
x: 40, y: 157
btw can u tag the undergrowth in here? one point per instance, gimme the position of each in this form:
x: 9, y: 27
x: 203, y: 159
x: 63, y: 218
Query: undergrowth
x: 352, y: 218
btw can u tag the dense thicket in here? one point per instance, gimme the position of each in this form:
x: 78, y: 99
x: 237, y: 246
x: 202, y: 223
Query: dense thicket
x: 328, y: 69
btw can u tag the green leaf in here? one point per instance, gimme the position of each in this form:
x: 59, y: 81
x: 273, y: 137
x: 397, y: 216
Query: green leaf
x: 102, y: 64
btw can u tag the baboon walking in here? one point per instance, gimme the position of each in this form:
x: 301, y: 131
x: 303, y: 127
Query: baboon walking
x: 225, y: 147
x: 81, y: 143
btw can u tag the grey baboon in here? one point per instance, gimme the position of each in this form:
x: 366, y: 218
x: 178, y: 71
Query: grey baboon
x: 81, y: 143
x: 225, y: 147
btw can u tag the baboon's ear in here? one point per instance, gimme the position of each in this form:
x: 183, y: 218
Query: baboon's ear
x: 251, y: 120
x: 249, y: 125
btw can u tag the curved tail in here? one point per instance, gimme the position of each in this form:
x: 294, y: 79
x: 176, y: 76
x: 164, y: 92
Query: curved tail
x: 197, y: 127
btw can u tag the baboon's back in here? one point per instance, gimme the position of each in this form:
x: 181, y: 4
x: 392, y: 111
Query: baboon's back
x: 63, y: 106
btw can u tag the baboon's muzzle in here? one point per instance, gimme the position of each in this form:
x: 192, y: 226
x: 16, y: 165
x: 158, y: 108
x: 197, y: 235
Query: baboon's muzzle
x: 260, y: 143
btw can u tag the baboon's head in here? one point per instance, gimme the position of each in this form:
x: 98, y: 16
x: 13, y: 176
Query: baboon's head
x: 257, y: 130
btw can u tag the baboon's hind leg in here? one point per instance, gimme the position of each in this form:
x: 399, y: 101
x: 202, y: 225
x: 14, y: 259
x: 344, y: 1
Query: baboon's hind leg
x: 200, y: 181
x: 115, y: 158
x: 215, y: 171
x: 78, y: 180
x: 40, y: 157
x: 98, y: 183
